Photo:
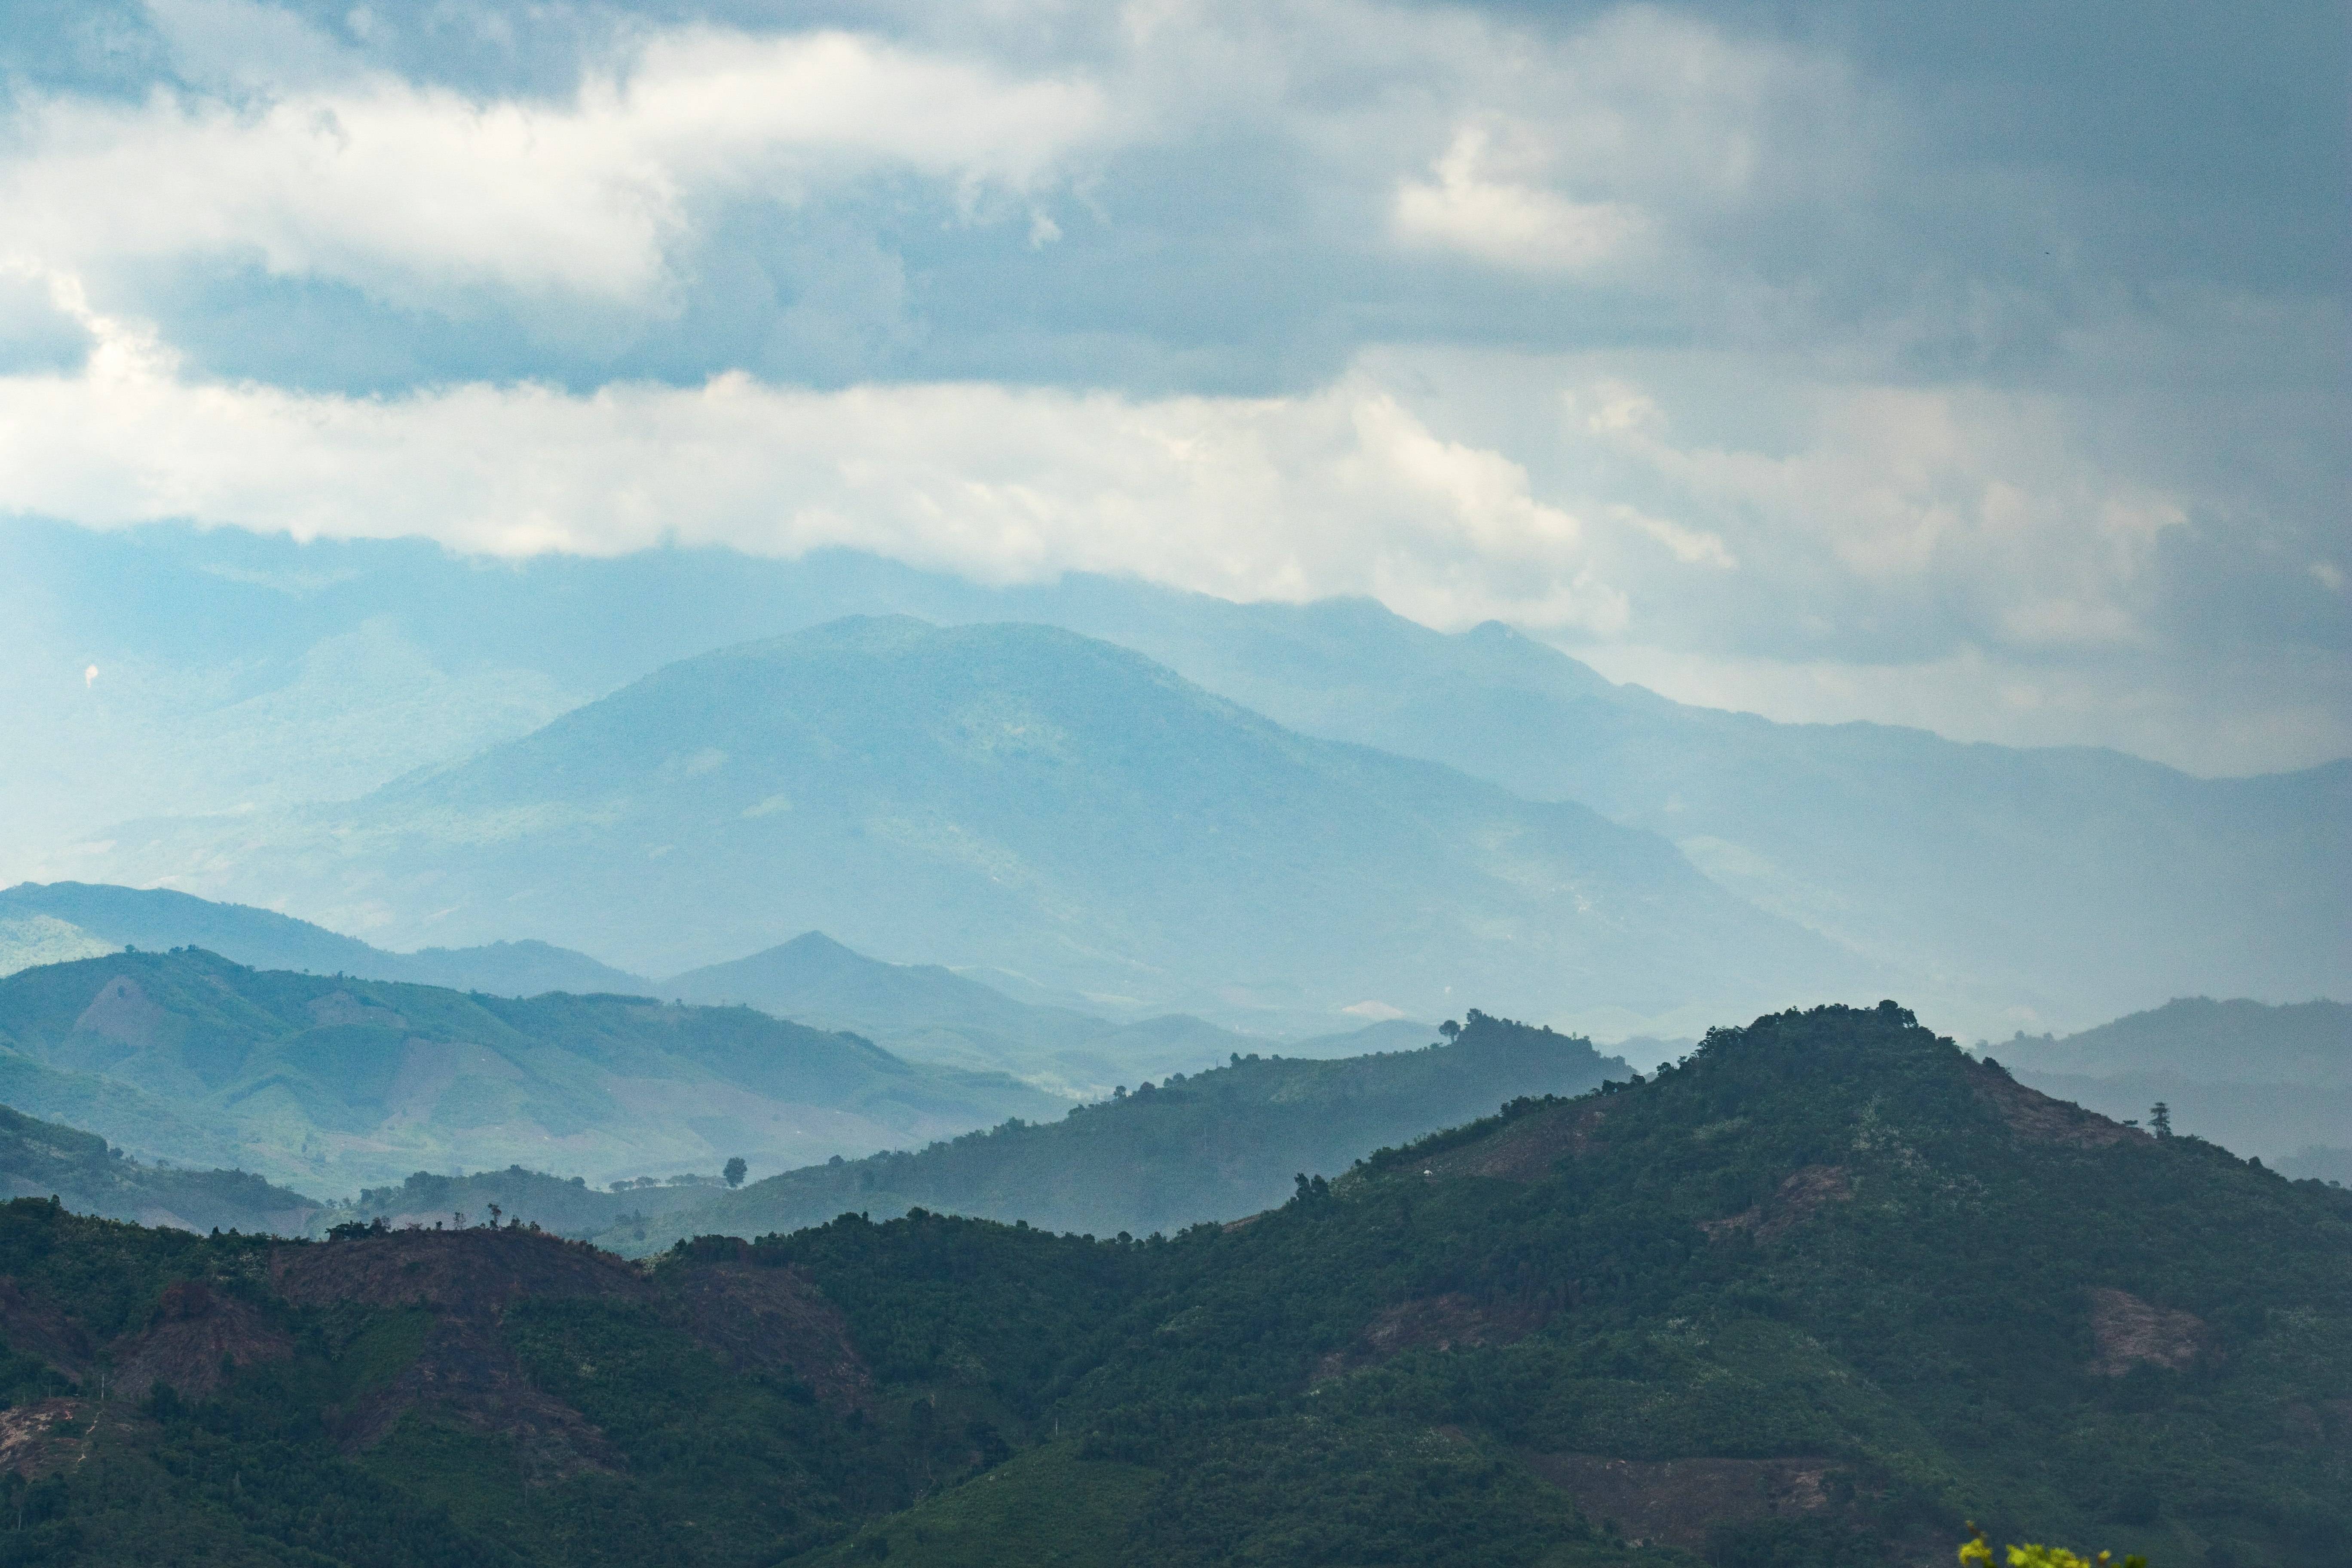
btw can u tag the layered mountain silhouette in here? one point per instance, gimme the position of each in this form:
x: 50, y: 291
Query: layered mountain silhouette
x: 930, y: 1014
x: 1021, y: 797
x: 2077, y: 884
x: 51, y: 923
x: 328, y: 1082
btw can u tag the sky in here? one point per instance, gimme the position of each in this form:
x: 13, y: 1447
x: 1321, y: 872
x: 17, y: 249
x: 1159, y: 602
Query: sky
x: 1980, y: 367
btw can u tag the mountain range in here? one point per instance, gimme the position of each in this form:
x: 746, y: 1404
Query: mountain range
x: 1215, y: 1145
x: 1821, y: 1293
x: 1028, y: 799
x: 331, y: 1082
x: 2042, y: 889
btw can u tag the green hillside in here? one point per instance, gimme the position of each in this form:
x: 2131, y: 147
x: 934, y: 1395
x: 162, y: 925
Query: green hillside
x: 1213, y: 1145
x: 1815, y: 1296
x: 44, y: 1159
x: 330, y: 1083
x: 1023, y: 798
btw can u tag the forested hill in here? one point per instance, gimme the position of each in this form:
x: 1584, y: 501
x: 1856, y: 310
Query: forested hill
x: 43, y: 1159
x: 1215, y: 1145
x: 329, y: 1082
x: 1815, y: 1296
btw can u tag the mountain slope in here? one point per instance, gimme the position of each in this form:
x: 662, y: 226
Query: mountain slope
x: 1216, y: 1145
x: 2082, y: 881
x: 2075, y: 882
x: 61, y: 921
x: 1816, y: 1295
x: 925, y: 1012
x: 1021, y: 797
x: 328, y: 1080
x: 41, y: 1159
x: 2274, y: 1081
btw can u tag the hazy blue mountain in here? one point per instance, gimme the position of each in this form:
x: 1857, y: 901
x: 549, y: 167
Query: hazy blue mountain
x: 2271, y: 1081
x: 333, y: 1083
x: 46, y: 1159
x: 1023, y: 797
x: 925, y: 1012
x: 2077, y: 883
x: 1215, y: 1145
x: 2205, y: 1041
x: 60, y: 920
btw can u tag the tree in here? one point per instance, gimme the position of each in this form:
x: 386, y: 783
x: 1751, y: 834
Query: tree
x: 2160, y: 1119
x: 736, y: 1171
x: 1450, y: 1029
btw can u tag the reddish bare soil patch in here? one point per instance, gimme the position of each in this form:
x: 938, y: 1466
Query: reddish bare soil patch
x: 1675, y: 1502
x: 196, y: 1337
x: 775, y: 1319
x: 122, y: 1012
x: 2128, y: 1331
x: 35, y: 1327
x: 2036, y: 1117
x: 457, y: 1271
x: 1796, y: 1200
x: 465, y: 1370
x: 38, y: 1437
x: 1526, y: 1149
x: 1435, y: 1322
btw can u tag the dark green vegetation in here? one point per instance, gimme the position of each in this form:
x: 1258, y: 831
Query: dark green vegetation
x: 2271, y: 1082
x: 59, y: 922
x: 1215, y: 1145
x: 1813, y: 1297
x: 331, y: 1082
x: 42, y: 1159
x: 1021, y: 797
x: 929, y: 1014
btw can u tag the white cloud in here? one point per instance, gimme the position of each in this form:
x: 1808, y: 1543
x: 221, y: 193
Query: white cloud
x: 1342, y: 491
x: 1464, y: 208
x: 412, y: 192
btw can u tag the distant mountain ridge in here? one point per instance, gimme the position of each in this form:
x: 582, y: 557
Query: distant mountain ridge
x: 2077, y: 883
x: 85, y: 920
x: 930, y: 1014
x: 2271, y: 1081
x: 333, y: 1083
x: 1020, y: 797
x: 1215, y: 1145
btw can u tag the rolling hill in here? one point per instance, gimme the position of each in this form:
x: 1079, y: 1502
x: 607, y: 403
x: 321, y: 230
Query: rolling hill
x: 333, y: 1083
x: 1024, y: 798
x: 1817, y: 1294
x: 46, y: 1159
x: 1215, y: 1145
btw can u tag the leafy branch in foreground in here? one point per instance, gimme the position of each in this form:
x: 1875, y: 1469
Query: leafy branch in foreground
x: 1977, y: 1554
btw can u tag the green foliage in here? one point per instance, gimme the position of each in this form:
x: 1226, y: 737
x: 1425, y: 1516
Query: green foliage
x: 183, y: 1055
x: 1802, y: 1248
x: 1215, y: 1145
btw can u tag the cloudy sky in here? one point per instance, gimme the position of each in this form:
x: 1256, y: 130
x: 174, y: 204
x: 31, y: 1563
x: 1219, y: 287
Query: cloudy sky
x: 1982, y: 367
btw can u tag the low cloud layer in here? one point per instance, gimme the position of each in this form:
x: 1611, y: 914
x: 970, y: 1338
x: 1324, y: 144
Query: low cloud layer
x: 1872, y: 369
